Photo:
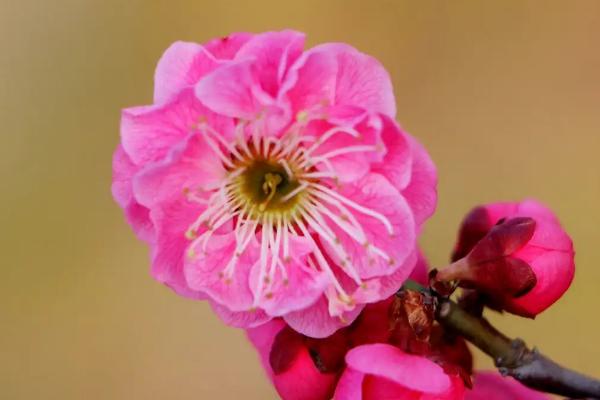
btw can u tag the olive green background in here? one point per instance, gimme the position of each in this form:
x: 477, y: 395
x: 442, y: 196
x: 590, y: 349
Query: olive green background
x: 504, y: 94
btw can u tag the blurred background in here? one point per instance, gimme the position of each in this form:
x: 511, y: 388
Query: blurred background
x: 504, y: 94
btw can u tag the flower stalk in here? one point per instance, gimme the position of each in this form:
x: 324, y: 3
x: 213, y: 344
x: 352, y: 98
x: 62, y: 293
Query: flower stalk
x: 512, y: 357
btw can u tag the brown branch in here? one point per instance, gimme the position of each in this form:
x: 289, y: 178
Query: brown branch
x: 513, y: 358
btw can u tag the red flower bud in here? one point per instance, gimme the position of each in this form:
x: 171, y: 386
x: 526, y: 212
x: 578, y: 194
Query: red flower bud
x: 515, y: 253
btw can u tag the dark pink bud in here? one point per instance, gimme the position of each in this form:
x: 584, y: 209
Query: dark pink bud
x: 516, y: 253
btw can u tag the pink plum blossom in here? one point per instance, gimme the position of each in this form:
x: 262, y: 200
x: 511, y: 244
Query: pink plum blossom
x: 493, y: 386
x: 274, y: 181
x: 516, y: 253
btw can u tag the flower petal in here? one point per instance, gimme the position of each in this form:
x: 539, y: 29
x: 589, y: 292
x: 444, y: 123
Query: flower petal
x: 361, y: 80
x: 387, y: 245
x: 240, y: 319
x: 299, y: 287
x: 231, y: 90
x: 149, y: 132
x: 226, y: 48
x: 410, y: 371
x: 315, y: 321
x: 181, y: 66
x: 421, y: 192
x: 191, y: 165
x: 137, y: 215
x: 349, y: 386
x: 273, y: 54
x: 206, y: 272
x: 171, y: 221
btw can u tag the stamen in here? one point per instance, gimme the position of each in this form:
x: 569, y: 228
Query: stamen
x: 367, y: 211
x: 294, y: 192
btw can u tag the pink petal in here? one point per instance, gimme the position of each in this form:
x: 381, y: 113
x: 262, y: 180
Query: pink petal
x: 360, y: 80
x: 231, y: 90
x: 397, y: 163
x: 240, y: 319
x: 172, y: 221
x: 390, y: 284
x: 273, y: 54
x: 554, y: 271
x: 262, y: 338
x: 349, y: 166
x: 492, y: 386
x: 421, y: 192
x: 136, y: 214
x: 377, y: 194
x: 410, y: 371
x: 301, y: 380
x: 311, y: 81
x: 191, y: 165
x: 205, y: 272
x: 315, y: 321
x: 349, y: 386
x: 149, y: 132
x: 180, y: 67
x: 300, y: 289
x: 226, y: 48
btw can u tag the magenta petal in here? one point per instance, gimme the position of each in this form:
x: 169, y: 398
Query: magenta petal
x: 172, y: 221
x: 206, y: 271
x: 315, y: 321
x: 273, y: 54
x: 231, y: 90
x: 149, y: 132
x: 311, y: 81
x: 349, y: 386
x: 137, y: 215
x: 240, y: 319
x: 181, y: 66
x: 191, y: 165
x: 410, y: 371
x: 554, y: 271
x: 397, y: 240
x: 299, y: 289
x: 361, y: 80
x: 397, y: 163
x: 226, y: 48
x: 262, y: 338
x: 421, y: 192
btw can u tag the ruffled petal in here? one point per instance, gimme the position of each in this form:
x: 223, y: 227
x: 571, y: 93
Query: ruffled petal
x: 421, y: 192
x: 149, y: 132
x: 212, y: 272
x: 396, y: 166
x: 296, y: 288
x: 389, y: 230
x: 240, y: 319
x: 137, y: 215
x: 172, y: 221
x: 273, y: 54
x: 231, y: 90
x: 315, y: 321
x: 361, y: 80
x: 225, y: 48
x: 180, y: 67
x: 191, y: 166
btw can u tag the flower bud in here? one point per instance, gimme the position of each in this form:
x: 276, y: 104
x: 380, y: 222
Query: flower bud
x: 516, y: 254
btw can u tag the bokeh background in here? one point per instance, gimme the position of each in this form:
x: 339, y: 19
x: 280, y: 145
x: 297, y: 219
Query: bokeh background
x: 504, y: 94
